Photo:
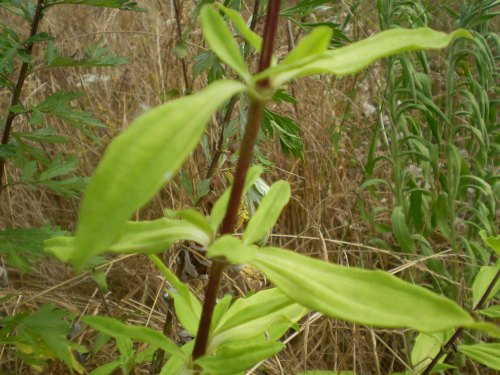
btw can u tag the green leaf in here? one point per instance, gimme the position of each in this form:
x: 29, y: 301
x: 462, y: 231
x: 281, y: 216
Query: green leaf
x: 426, y: 347
x: 115, y: 328
x: 268, y: 212
x: 93, y: 56
x: 146, y: 237
x: 24, y: 246
x: 221, y: 40
x: 487, y: 354
x: 491, y: 312
x: 42, y: 334
x: 483, y: 279
x: 220, y: 206
x: 357, y: 56
x: 318, y: 372
x: 250, y: 36
x: 119, y: 4
x: 266, y: 315
x: 48, y: 135
x: 226, y: 243
x: 187, y: 306
x: 373, y: 298
x: 314, y: 43
x: 139, y: 162
x: 401, y: 231
x: 493, y: 242
x: 238, y: 357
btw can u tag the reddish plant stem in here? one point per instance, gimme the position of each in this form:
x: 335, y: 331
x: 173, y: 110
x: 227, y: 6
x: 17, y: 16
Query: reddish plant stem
x: 458, y: 333
x: 252, y: 127
x: 23, y: 73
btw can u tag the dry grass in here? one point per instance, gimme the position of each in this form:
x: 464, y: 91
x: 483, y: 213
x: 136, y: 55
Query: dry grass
x: 321, y: 220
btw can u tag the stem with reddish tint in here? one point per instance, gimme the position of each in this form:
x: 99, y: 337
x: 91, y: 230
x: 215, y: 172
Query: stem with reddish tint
x: 23, y: 73
x: 255, y: 113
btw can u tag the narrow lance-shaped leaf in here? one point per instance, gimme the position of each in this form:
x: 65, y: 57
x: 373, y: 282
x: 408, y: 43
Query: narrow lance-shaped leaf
x: 252, y: 37
x: 115, y: 328
x: 357, y: 56
x: 483, y: 279
x: 139, y: 162
x: 148, y: 237
x: 487, y: 354
x: 373, y: 298
x: 401, y: 231
x: 314, y: 43
x: 268, y: 212
x: 235, y: 358
x: 221, y: 40
x: 187, y: 306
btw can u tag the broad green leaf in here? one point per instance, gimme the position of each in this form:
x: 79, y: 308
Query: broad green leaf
x: 373, y: 298
x: 401, y: 231
x: 177, y: 366
x: 357, y: 56
x: 220, y: 206
x: 313, y: 44
x: 491, y: 312
x: 426, y: 347
x: 487, y: 354
x: 221, y: 40
x: 235, y: 358
x: 146, y: 237
x: 268, y: 212
x: 187, y: 306
x: 139, y: 162
x: 483, y: 279
x: 115, y: 328
x: 194, y: 217
x: 252, y: 37
x: 493, y: 242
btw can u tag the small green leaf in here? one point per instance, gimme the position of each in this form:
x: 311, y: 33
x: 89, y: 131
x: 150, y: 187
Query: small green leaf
x: 487, y: 354
x: 401, y: 231
x: 219, y: 208
x: 483, y: 279
x: 373, y: 298
x: 250, y: 36
x: 187, y: 306
x: 115, y: 328
x: 221, y: 40
x: 491, y: 312
x: 426, y: 347
x: 493, y: 242
x: 240, y: 253
x: 139, y: 162
x: 314, y: 43
x: 238, y: 357
x: 268, y: 212
x: 318, y: 372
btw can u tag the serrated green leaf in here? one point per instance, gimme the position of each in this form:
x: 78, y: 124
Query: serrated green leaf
x: 487, y: 354
x: 115, y: 328
x: 221, y: 40
x: 139, y: 162
x: 268, y: 212
x: 119, y: 4
x: 362, y: 296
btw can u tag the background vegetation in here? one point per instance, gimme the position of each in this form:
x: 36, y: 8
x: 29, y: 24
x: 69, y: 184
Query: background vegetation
x: 394, y: 168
